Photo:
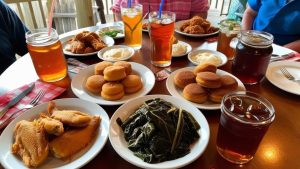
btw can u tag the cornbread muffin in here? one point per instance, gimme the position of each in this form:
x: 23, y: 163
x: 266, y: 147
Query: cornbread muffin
x: 132, y: 83
x: 205, y: 67
x: 114, y: 73
x: 112, y: 91
x: 208, y: 80
x: 99, y: 67
x: 181, y: 79
x: 195, y: 93
x: 229, y: 82
x: 94, y: 83
x: 126, y: 65
x: 216, y: 95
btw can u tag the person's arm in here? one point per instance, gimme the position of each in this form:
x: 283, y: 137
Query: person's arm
x: 200, y: 8
x: 248, y: 18
x: 116, y: 9
x: 294, y: 46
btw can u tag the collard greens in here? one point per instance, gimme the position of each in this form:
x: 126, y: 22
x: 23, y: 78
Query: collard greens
x: 158, y: 131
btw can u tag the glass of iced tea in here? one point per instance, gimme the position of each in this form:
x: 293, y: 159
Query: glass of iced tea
x: 161, y: 30
x: 228, y: 30
x: 245, y: 118
x: 252, y: 57
x: 132, y: 18
x: 46, y: 54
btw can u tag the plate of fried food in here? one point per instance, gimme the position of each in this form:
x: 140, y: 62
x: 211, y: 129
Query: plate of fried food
x: 86, y: 43
x: 204, y: 85
x: 113, y: 83
x: 159, y: 132
x: 195, y: 27
x: 64, y: 133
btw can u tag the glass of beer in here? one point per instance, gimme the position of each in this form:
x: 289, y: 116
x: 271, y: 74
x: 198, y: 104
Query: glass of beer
x: 245, y: 119
x: 228, y: 30
x: 161, y: 30
x: 252, y: 56
x: 46, y: 54
x: 132, y: 18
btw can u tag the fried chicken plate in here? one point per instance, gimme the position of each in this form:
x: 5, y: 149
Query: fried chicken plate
x: 30, y: 143
x: 52, y: 126
x: 72, y: 141
x: 197, y: 25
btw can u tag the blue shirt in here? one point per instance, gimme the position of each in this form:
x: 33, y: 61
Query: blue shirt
x: 278, y: 17
x: 12, y: 36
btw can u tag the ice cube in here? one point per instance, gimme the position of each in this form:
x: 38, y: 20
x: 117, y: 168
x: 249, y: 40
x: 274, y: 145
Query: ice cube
x: 166, y: 21
x: 259, y: 110
x: 236, y: 101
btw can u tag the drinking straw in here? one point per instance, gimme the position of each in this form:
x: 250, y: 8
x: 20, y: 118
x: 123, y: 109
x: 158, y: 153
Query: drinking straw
x: 50, y: 17
x: 129, y: 3
x: 160, y: 8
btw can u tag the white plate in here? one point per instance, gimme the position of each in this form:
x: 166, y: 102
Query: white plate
x: 106, y: 39
x: 102, y: 51
x: 188, y: 49
x: 116, y: 135
x: 275, y: 76
x: 208, y: 105
x: 8, y: 160
x: 110, y: 28
x: 216, y: 53
x: 177, y: 29
x: 78, y: 85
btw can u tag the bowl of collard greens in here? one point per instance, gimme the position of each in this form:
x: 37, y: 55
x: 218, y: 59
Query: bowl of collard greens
x: 158, y: 131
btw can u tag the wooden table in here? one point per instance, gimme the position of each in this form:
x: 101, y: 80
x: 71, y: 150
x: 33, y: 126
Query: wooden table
x: 278, y: 149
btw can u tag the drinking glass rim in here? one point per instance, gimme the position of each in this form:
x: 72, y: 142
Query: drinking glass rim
x: 31, y: 33
x: 268, y: 105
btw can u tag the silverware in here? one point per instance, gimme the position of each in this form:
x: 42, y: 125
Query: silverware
x: 276, y: 57
x: 288, y: 75
x: 16, y: 99
x: 31, y: 104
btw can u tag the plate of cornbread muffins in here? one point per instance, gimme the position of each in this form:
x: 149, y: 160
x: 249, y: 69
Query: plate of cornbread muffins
x: 108, y: 83
x: 204, y: 85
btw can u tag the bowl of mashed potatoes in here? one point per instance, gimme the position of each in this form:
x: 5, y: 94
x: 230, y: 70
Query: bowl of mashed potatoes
x: 116, y: 53
x: 180, y: 49
x: 206, y: 55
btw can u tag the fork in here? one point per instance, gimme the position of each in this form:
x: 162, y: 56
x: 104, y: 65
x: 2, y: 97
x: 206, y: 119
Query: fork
x: 288, y: 75
x: 31, y: 104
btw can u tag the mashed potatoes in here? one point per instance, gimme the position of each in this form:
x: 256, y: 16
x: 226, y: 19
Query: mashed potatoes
x: 207, y: 57
x: 116, y: 54
x: 178, y: 49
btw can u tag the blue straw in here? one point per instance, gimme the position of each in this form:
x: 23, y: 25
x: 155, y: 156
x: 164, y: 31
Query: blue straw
x: 160, y: 8
x: 129, y: 3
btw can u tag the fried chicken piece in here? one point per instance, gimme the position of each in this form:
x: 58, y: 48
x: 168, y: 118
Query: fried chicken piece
x: 70, y: 117
x: 51, y: 126
x: 196, y: 21
x: 212, y: 29
x: 205, y: 25
x: 72, y: 141
x: 30, y: 143
x: 77, y: 47
x: 184, y: 25
x: 196, y: 30
x: 79, y: 36
x: 96, y: 43
x: 187, y: 29
x: 89, y: 50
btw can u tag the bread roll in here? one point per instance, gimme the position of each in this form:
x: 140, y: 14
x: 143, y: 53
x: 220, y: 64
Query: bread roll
x: 99, y: 67
x: 126, y: 65
x: 114, y: 73
x: 208, y: 80
x: 205, y: 67
x: 195, y: 93
x: 181, y: 79
x: 94, y: 83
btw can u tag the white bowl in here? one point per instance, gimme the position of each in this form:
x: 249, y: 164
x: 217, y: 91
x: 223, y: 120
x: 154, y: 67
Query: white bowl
x: 188, y: 49
x: 216, y: 53
x: 102, y: 51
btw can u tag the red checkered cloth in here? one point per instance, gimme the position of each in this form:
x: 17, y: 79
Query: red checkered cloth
x: 75, y: 66
x: 51, y: 91
x: 295, y: 56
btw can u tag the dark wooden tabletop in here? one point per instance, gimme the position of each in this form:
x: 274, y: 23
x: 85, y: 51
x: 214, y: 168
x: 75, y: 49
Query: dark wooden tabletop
x: 279, y: 148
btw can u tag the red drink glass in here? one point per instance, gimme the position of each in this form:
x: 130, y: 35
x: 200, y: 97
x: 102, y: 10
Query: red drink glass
x: 252, y: 56
x: 161, y: 32
x: 244, y: 120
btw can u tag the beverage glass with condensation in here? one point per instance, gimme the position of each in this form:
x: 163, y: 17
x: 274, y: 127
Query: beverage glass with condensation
x: 228, y: 30
x: 161, y: 32
x: 245, y: 119
x: 46, y: 54
x: 132, y: 19
x: 252, y: 56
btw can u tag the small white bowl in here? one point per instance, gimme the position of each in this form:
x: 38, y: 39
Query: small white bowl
x: 216, y: 53
x: 102, y: 51
x: 188, y: 49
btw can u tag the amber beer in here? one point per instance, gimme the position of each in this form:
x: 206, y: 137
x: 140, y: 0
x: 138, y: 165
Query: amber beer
x: 161, y: 36
x: 228, y: 30
x: 46, y: 54
x: 132, y: 18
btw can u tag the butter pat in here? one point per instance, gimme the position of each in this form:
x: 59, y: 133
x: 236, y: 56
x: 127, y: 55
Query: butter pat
x: 207, y: 57
x: 116, y: 54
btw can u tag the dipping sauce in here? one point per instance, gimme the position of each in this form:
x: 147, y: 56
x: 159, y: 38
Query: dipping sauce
x: 116, y: 54
x: 207, y: 57
x: 179, y: 49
